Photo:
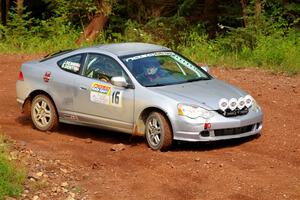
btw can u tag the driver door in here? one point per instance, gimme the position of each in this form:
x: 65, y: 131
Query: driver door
x: 97, y: 101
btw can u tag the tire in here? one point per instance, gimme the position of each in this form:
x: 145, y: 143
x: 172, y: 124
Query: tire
x: 158, y: 132
x: 43, y: 113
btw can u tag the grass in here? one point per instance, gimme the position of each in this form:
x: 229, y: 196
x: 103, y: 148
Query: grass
x: 33, y: 45
x: 11, y: 178
x: 275, y: 52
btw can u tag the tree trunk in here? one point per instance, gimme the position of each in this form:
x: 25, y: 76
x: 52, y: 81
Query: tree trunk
x: 211, y: 17
x: 258, y: 9
x: 20, y: 7
x: 92, y: 30
x: 97, y: 23
x: 3, y: 12
x: 244, y: 12
x: 285, y: 3
x: 5, y: 5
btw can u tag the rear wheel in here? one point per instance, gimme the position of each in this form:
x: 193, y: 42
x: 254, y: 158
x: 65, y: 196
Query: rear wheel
x: 43, y: 113
x: 158, y: 132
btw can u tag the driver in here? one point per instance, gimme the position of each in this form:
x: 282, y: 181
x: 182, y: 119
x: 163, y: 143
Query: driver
x: 152, y: 71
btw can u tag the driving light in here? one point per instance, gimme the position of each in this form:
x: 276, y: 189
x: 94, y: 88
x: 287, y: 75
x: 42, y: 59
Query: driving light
x: 255, y: 106
x: 241, y: 103
x: 193, y: 111
x: 223, y: 104
x: 248, y: 101
x: 233, y: 103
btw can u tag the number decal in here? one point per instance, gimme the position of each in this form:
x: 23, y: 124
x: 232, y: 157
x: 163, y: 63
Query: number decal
x: 116, y: 98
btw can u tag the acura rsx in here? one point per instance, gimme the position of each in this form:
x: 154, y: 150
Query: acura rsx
x: 137, y: 88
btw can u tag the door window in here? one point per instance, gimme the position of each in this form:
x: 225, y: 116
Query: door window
x: 102, y: 68
x: 71, y: 64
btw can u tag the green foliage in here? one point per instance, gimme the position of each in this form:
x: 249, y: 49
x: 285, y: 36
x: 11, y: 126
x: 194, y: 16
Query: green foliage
x: 167, y: 30
x: 132, y: 33
x: 11, y: 178
x: 33, y: 35
x: 199, y: 48
x: 269, y: 41
x: 277, y: 52
x: 78, y: 12
x: 185, y: 7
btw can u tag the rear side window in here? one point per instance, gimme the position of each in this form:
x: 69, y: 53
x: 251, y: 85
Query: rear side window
x: 71, y: 64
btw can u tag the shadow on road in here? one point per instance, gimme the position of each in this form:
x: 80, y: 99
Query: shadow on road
x: 102, y: 135
x: 84, y: 132
x: 113, y: 137
x: 208, y: 146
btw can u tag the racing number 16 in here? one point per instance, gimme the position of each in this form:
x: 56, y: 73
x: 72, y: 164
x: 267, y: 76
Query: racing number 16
x: 115, y: 97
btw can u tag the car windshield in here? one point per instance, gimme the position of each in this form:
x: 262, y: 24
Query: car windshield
x: 163, y: 68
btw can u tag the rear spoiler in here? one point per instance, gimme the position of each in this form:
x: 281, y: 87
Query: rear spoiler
x: 58, y: 53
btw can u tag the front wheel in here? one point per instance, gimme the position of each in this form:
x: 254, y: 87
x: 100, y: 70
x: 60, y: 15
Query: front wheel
x: 43, y: 113
x: 158, y: 132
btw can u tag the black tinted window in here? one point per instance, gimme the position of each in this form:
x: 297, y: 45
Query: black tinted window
x: 71, y: 64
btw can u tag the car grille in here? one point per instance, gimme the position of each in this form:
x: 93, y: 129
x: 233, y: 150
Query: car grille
x: 233, y: 131
x: 236, y: 112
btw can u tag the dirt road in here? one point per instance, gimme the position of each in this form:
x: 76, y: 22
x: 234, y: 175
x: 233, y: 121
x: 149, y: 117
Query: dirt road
x: 267, y: 167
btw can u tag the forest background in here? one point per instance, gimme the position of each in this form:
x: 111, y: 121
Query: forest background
x: 237, y: 33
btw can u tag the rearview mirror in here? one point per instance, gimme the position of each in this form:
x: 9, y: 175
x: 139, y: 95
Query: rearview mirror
x: 119, y: 81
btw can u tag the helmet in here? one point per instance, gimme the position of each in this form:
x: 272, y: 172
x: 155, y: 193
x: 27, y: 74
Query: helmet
x: 151, y: 68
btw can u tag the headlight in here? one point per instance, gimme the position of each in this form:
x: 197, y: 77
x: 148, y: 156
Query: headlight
x: 193, y: 111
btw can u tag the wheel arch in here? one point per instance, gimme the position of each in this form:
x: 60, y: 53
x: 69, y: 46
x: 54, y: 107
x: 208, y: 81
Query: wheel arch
x: 139, y: 126
x: 31, y: 96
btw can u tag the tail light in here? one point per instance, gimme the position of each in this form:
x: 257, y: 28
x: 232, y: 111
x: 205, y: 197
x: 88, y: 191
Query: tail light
x: 21, y: 77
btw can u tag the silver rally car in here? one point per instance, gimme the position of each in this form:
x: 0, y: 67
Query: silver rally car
x: 137, y: 88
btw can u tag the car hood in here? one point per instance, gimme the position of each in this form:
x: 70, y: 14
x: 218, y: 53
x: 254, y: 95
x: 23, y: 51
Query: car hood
x: 206, y: 93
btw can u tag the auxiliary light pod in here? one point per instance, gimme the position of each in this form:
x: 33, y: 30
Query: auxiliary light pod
x: 234, y: 103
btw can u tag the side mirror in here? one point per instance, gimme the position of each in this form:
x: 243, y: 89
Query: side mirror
x: 119, y: 81
x: 205, y: 68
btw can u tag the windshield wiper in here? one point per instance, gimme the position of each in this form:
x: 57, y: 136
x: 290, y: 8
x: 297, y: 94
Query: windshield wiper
x: 157, y: 84
x: 198, y: 79
x: 191, y: 80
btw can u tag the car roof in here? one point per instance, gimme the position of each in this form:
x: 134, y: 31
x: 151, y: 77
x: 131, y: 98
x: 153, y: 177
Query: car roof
x: 118, y: 49
x: 130, y: 48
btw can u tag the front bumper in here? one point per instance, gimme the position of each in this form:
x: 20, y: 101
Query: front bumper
x: 222, y: 128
